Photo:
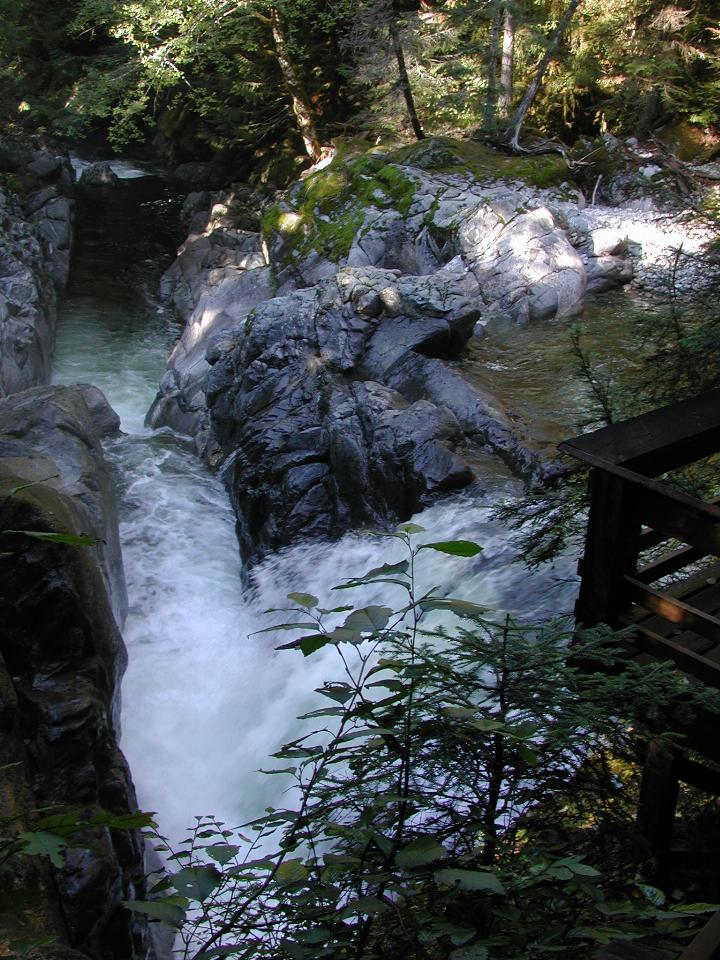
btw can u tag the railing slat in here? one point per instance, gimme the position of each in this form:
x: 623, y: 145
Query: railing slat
x: 676, y: 611
x: 669, y: 563
x: 663, y: 648
x: 657, y: 441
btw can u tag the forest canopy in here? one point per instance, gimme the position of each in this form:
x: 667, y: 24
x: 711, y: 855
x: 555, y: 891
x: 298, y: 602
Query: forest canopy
x: 199, y: 77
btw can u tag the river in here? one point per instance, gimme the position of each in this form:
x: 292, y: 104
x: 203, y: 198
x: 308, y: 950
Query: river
x: 205, y: 698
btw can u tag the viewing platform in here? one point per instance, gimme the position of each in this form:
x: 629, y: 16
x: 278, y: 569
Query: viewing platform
x: 652, y: 563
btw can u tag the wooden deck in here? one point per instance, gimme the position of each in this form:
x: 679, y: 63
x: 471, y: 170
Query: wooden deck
x: 652, y: 562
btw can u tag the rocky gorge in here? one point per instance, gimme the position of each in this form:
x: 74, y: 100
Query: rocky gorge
x: 62, y: 601
x: 322, y: 371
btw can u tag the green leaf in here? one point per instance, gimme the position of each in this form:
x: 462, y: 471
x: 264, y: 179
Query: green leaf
x: 461, y: 608
x: 306, y: 600
x: 287, y: 626
x: 369, y: 732
x: 386, y: 570
x: 470, y: 880
x: 368, y: 619
x: 527, y: 755
x: 308, y: 644
x: 364, y: 906
x: 460, y: 713
x: 693, y: 908
x: 197, y: 883
x: 227, y: 951
x: 18, y: 947
x: 44, y: 844
x: 124, y: 821
x: 352, y: 584
x: 290, y: 872
x: 223, y: 853
x: 410, y: 528
x: 169, y: 913
x: 454, y: 548
x: 580, y: 869
x: 419, y: 852
x: 32, y: 483
x: 340, y: 692
x: 384, y: 843
x: 488, y: 725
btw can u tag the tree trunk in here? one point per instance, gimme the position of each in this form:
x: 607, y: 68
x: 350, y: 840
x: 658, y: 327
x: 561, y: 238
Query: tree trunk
x: 506, y: 65
x: 531, y: 92
x: 402, y: 70
x: 300, y: 102
x: 491, y: 99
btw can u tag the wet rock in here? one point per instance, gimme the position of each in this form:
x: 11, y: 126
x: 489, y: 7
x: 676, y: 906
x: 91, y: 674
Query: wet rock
x: 100, y: 174
x: 709, y: 170
x: 36, y: 234
x: 320, y: 425
x: 57, y: 434
x: 607, y: 273
x: 60, y: 606
x: 323, y: 366
x: 523, y: 262
x: 27, y: 301
x: 105, y: 421
x: 53, y: 221
x: 216, y: 280
x: 14, y: 154
x: 46, y: 166
x: 508, y: 239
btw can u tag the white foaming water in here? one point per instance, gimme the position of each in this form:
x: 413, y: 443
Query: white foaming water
x: 205, y: 702
x: 124, y: 169
x: 206, y: 699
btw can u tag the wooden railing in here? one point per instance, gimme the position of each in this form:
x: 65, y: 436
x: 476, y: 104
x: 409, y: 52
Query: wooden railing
x: 632, y: 512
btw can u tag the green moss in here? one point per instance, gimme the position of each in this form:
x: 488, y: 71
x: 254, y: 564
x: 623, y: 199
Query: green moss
x: 466, y: 156
x: 330, y: 207
x: 271, y: 220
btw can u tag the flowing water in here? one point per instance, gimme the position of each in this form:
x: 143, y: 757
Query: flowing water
x: 205, y: 698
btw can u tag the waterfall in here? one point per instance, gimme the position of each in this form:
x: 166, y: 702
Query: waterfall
x: 206, y: 698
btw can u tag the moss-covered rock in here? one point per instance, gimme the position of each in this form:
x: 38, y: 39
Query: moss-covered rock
x: 323, y: 214
x: 326, y: 210
x: 457, y: 156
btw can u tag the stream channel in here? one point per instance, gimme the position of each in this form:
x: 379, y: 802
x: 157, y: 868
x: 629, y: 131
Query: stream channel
x: 204, y: 702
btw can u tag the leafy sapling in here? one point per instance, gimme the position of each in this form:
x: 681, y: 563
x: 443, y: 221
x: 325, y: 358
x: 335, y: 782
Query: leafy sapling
x: 440, y: 796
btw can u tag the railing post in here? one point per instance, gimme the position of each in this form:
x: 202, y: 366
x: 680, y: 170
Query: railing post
x: 656, y: 807
x: 611, y: 549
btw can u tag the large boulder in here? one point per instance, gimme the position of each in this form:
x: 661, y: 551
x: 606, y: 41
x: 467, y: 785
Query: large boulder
x: 99, y: 174
x: 522, y: 261
x: 219, y: 275
x: 321, y: 422
x: 60, y: 605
